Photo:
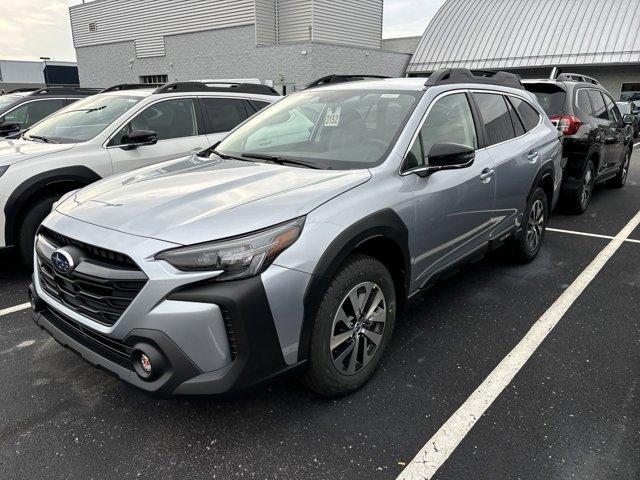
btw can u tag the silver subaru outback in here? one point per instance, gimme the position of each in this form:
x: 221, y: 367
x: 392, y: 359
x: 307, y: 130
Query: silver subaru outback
x: 294, y: 243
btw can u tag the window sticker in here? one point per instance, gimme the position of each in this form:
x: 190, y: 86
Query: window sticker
x: 333, y: 117
x: 390, y: 95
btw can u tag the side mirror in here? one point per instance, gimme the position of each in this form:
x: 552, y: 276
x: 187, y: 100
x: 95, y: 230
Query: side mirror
x: 138, y: 138
x: 8, y: 128
x: 629, y: 119
x: 445, y: 156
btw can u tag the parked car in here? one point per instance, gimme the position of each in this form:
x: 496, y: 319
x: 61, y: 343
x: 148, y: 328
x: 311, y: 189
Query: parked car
x: 629, y: 108
x: 218, y: 271
x: 20, y: 109
x: 116, y: 131
x: 598, y: 140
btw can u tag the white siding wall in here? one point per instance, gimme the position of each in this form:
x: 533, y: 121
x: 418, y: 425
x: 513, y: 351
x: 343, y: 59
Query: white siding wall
x: 21, y: 72
x: 148, y: 21
x: 348, y: 22
x: 265, y: 22
x: 294, y: 20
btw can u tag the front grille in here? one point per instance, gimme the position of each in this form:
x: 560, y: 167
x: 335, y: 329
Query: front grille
x: 231, y: 334
x: 101, y: 287
x: 97, y: 253
x: 109, y: 348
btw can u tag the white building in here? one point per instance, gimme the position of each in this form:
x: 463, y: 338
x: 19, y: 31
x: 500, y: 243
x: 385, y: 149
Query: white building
x: 289, y: 42
x: 23, y: 74
x: 599, y: 38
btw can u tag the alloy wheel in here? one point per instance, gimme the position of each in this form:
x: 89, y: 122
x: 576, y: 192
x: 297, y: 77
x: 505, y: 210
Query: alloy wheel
x: 535, y: 226
x: 587, y: 188
x: 358, y: 328
x: 625, y: 168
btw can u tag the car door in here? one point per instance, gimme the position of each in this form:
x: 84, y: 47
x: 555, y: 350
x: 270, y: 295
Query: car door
x: 608, y: 137
x: 618, y: 131
x: 223, y: 114
x: 177, y: 125
x: 516, y: 154
x: 453, y: 208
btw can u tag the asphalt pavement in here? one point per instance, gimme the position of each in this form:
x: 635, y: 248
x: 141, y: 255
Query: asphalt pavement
x: 572, y: 411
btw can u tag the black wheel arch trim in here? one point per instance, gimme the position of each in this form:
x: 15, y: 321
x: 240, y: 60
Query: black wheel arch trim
x: 25, y: 191
x: 385, y: 224
x: 547, y: 170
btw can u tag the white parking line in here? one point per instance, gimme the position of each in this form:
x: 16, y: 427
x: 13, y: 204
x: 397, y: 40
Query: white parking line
x: 595, y: 235
x: 15, y: 308
x: 439, y: 447
x: 636, y: 144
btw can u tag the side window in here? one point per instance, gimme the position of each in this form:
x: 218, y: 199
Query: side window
x: 612, y: 110
x: 449, y: 121
x: 583, y: 102
x: 169, y: 119
x: 495, y: 117
x: 258, y: 105
x: 599, y: 108
x: 529, y: 115
x: 518, y: 126
x: 30, y: 113
x: 222, y: 114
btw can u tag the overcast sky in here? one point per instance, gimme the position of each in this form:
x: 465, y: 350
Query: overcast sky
x: 40, y: 28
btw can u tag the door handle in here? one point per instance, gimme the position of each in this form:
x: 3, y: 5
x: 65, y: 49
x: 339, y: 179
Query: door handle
x: 533, y: 157
x: 486, y: 175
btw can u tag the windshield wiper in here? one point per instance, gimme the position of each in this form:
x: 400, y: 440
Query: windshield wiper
x: 42, y: 138
x: 281, y: 160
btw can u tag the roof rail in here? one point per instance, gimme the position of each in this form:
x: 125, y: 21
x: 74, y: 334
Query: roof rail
x: 216, y: 87
x: 576, y: 77
x: 463, y: 75
x: 22, y: 90
x: 65, y: 91
x: 333, y: 79
x: 130, y: 86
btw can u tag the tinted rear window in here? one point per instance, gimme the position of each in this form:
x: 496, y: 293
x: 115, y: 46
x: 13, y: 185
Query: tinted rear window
x: 550, y: 97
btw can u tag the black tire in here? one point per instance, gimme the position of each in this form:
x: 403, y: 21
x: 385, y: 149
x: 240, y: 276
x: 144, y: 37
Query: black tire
x: 28, y: 226
x: 578, y: 201
x: 620, y: 179
x: 523, y: 248
x: 323, y: 374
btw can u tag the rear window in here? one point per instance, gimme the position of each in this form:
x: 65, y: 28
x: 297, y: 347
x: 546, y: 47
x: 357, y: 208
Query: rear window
x: 550, y: 97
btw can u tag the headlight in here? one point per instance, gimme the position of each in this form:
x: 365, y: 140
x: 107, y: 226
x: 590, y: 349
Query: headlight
x: 239, y: 257
x: 3, y: 169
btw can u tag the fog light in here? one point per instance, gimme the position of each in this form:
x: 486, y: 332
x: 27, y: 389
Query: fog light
x: 145, y: 363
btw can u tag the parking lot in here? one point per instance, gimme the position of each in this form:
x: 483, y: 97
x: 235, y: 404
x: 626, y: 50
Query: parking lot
x: 572, y: 411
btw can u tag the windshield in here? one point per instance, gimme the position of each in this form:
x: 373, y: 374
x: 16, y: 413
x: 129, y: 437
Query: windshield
x: 84, y: 119
x: 346, y: 129
x: 7, y: 100
x: 550, y: 97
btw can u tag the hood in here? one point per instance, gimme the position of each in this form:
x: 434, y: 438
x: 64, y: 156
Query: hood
x: 194, y: 200
x: 14, y: 151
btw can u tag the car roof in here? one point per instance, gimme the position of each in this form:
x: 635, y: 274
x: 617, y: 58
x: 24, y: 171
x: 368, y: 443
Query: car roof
x: 148, y: 92
x: 411, y: 84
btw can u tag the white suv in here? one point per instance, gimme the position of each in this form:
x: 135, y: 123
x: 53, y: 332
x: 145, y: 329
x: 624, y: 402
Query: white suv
x: 123, y: 128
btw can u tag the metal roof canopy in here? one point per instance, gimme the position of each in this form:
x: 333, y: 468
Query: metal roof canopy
x: 493, y: 34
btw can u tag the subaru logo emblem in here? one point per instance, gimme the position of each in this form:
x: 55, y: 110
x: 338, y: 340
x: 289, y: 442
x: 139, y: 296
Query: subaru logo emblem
x: 62, y: 261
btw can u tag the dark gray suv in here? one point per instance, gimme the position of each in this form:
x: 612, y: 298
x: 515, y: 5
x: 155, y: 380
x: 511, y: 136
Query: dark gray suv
x: 20, y: 109
x: 294, y: 243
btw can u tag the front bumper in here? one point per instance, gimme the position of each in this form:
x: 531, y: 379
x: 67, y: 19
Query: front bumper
x: 211, y: 337
x: 253, y: 343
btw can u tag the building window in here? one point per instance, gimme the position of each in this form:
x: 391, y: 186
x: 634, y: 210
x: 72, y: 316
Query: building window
x: 156, y: 79
x: 630, y: 91
x: 93, y: 27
